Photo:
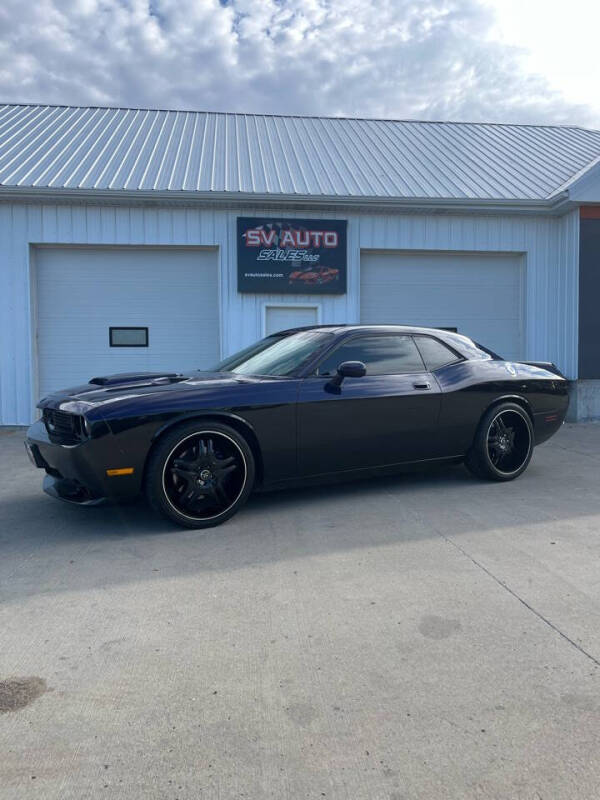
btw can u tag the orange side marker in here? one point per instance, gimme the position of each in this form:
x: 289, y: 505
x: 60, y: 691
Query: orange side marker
x: 123, y: 471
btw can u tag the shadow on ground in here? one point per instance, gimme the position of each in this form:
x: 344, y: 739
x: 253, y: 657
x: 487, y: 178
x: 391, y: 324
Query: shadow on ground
x: 105, y: 545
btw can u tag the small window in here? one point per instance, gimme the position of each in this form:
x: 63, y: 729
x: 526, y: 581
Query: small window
x: 435, y: 354
x: 128, y: 337
x: 381, y: 354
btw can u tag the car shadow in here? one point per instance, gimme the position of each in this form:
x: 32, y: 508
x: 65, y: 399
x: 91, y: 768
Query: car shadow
x: 99, y: 546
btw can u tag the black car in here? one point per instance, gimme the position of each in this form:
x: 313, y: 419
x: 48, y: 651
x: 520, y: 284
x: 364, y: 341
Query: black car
x: 301, y: 405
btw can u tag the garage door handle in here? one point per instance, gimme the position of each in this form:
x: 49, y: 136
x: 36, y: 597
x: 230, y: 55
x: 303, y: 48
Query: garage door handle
x: 423, y: 385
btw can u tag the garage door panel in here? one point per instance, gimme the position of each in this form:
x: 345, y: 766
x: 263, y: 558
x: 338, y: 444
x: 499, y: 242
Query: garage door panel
x: 82, y: 292
x: 480, y: 294
x: 427, y: 298
x: 419, y: 267
x: 387, y: 278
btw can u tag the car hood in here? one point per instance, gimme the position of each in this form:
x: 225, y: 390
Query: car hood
x: 108, y: 389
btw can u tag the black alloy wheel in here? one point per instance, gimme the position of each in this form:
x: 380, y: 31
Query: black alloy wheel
x: 503, y: 444
x: 199, y: 475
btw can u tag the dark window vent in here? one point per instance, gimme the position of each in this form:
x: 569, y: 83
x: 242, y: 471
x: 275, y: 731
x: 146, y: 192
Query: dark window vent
x: 128, y: 337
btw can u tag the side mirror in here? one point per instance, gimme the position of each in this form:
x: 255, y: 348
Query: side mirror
x: 347, y: 369
x: 351, y: 369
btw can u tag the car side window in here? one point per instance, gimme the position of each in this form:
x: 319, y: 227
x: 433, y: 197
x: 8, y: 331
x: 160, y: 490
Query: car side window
x: 391, y: 354
x: 435, y: 354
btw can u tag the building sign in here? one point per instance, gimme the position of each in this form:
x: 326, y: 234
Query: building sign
x: 291, y: 256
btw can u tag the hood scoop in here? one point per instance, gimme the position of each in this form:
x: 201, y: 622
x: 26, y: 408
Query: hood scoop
x: 135, y: 377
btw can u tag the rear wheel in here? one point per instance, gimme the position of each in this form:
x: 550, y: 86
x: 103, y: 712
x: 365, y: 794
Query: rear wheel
x: 503, y: 444
x: 200, y: 474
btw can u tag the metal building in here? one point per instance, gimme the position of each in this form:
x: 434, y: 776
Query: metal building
x: 148, y: 239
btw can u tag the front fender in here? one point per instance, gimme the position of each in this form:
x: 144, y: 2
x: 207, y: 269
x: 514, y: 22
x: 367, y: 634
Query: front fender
x: 224, y: 416
x: 241, y: 425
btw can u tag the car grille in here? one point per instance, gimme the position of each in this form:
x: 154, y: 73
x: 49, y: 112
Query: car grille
x: 62, y: 427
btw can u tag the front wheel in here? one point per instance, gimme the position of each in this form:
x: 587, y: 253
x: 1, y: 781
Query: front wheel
x: 503, y: 444
x: 200, y: 474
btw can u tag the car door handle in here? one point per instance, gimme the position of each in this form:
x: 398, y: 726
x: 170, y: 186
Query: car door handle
x: 422, y: 385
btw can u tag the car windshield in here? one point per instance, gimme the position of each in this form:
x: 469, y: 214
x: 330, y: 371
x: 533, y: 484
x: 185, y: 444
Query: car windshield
x: 243, y: 355
x: 282, y: 357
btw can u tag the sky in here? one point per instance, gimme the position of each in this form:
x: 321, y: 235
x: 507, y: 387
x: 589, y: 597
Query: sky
x: 528, y: 61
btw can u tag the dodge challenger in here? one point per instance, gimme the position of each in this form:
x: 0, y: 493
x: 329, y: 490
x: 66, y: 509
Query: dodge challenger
x: 302, y: 405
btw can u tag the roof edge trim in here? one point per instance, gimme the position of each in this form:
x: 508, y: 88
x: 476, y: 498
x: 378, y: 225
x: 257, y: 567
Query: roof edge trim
x: 576, y: 178
x: 552, y: 204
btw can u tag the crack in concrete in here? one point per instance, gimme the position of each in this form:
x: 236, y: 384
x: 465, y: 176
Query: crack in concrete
x: 521, y: 600
x: 593, y: 456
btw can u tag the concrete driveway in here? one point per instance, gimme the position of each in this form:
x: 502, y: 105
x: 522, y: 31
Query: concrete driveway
x: 416, y: 637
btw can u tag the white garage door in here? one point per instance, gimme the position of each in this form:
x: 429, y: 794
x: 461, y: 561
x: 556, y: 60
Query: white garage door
x: 82, y: 292
x: 479, y: 294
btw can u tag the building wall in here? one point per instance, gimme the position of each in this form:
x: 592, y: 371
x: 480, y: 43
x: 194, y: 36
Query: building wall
x: 585, y: 395
x: 550, y: 245
x: 589, y: 292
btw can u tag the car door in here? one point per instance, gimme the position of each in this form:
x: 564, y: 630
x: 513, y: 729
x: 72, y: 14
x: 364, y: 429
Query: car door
x: 388, y: 416
x: 459, y: 410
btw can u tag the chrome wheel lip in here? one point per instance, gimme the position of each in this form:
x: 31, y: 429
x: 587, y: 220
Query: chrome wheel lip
x: 233, y: 502
x: 529, y: 444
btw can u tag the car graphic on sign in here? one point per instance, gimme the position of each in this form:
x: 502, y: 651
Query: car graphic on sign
x: 314, y: 276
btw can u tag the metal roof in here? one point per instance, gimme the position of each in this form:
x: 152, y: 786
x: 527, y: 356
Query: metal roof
x: 150, y: 150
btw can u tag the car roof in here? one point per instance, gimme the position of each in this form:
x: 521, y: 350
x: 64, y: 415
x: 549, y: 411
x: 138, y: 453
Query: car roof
x: 463, y: 344
x: 332, y: 327
x: 289, y: 331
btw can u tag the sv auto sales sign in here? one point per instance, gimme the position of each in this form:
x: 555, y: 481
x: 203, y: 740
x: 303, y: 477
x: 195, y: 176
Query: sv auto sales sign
x: 291, y: 256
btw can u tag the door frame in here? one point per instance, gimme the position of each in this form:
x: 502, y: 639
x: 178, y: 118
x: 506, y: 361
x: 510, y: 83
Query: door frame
x: 282, y: 304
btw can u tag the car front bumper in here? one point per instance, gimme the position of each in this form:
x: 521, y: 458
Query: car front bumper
x: 70, y: 491
x: 78, y: 473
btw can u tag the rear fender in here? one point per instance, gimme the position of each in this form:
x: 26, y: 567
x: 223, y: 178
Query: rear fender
x: 511, y: 398
x: 508, y: 398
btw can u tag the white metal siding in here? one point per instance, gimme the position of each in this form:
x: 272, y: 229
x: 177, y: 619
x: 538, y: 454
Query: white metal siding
x: 479, y: 294
x: 81, y: 292
x: 550, y: 246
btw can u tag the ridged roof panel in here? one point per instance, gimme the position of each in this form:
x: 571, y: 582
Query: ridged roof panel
x: 120, y: 149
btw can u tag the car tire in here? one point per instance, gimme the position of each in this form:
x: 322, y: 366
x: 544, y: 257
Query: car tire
x: 199, y: 474
x: 503, y: 445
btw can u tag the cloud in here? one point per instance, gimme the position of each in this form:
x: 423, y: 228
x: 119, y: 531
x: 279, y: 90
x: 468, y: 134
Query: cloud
x: 390, y: 58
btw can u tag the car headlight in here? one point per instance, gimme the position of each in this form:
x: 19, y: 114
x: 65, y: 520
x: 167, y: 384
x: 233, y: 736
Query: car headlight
x: 75, y: 406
